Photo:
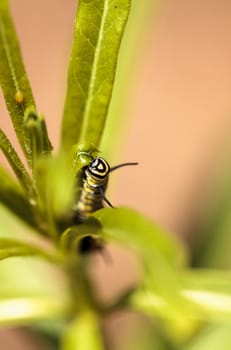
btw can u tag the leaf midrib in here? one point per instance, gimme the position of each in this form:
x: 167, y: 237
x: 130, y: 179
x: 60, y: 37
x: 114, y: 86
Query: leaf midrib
x: 94, y: 69
x: 8, y: 54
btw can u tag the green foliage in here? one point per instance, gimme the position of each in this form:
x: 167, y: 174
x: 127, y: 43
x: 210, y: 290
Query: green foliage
x: 31, y: 291
x: 16, y: 311
x: 215, y: 336
x: 16, y: 163
x: 36, y: 129
x: 98, y: 31
x: 205, y: 295
x: 11, y: 248
x: 13, y: 78
x: 84, y: 333
x: 135, y: 231
x: 45, y: 227
x: 12, y: 197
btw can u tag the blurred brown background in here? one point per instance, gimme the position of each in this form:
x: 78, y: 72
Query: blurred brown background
x: 178, y: 98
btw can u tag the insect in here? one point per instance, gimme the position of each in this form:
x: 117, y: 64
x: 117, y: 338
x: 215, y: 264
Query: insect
x: 94, y: 182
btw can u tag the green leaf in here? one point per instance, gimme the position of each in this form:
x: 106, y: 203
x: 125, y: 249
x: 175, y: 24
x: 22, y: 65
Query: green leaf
x: 159, y: 256
x: 161, y: 295
x: 98, y: 32
x: 12, y: 226
x: 55, y: 185
x: 139, y: 233
x: 32, y: 289
x: 29, y: 277
x: 12, y: 248
x: 126, y: 74
x: 209, y: 291
x: 13, y: 78
x: 19, y: 310
x: 83, y: 334
x: 213, y: 337
x: 12, y: 196
x: 71, y: 236
x: 40, y: 143
x: 16, y: 164
x: 202, y: 296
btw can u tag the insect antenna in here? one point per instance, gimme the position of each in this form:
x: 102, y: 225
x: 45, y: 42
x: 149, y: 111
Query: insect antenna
x: 122, y: 165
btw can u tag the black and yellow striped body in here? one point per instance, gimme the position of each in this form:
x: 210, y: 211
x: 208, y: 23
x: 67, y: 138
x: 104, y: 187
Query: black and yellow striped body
x: 93, y: 186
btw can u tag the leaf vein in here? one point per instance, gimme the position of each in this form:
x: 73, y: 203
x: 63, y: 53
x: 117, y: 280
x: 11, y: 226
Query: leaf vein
x: 8, y: 54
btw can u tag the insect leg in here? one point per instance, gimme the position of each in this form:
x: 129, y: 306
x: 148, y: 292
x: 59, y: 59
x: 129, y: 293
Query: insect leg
x: 104, y: 198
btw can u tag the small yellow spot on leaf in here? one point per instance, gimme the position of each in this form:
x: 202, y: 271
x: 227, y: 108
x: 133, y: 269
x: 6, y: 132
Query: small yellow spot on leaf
x: 19, y: 97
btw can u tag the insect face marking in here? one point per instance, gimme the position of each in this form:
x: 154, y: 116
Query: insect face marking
x: 98, y: 168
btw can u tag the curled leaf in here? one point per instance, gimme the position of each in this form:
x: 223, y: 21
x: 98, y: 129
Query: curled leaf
x: 134, y: 230
x: 12, y: 248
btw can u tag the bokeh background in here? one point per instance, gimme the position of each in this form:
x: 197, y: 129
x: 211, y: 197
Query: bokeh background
x: 171, y: 101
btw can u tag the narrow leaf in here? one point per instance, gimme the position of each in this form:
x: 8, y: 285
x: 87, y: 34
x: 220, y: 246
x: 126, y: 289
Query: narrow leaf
x: 16, y: 163
x: 47, y: 146
x: 12, y: 248
x: 212, y: 337
x: 12, y: 197
x: 28, y: 277
x: 16, y: 311
x: 130, y: 53
x: 13, y: 78
x: 210, y: 291
x: 207, y: 296
x: 83, y: 334
x: 40, y: 143
x: 55, y: 185
x: 98, y: 32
